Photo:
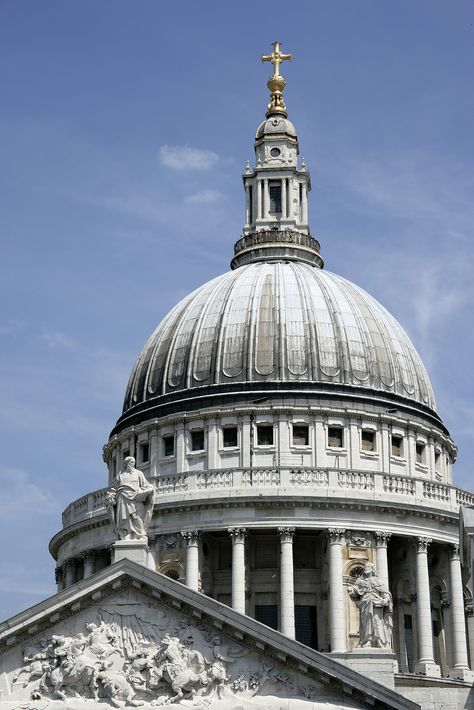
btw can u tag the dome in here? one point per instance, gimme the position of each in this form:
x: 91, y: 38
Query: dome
x: 276, y: 125
x: 280, y: 322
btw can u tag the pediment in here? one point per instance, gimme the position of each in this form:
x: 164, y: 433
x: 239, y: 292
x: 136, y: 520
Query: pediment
x: 129, y: 636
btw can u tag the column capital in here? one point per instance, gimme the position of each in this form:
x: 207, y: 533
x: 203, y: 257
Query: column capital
x: 70, y: 563
x: 336, y: 536
x: 88, y: 553
x: 454, y: 553
x: 58, y: 574
x: 190, y: 537
x: 237, y: 534
x: 422, y: 543
x: 286, y: 533
x: 382, y: 538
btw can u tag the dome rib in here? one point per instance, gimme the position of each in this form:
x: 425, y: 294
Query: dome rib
x: 279, y: 322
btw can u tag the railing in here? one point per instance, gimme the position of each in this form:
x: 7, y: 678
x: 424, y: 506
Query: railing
x: 296, y: 481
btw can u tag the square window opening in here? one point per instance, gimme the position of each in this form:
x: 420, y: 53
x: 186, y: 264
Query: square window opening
x: 274, y: 187
x: 300, y: 435
x: 197, y: 440
x: 265, y: 435
x: 229, y: 436
x: 368, y: 441
x: 168, y: 445
x: 397, y: 445
x: 144, y: 452
x: 420, y: 453
x: 335, y: 437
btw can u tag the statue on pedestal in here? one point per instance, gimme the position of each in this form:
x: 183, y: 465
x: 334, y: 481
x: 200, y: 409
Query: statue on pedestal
x: 130, y: 503
x: 374, y: 602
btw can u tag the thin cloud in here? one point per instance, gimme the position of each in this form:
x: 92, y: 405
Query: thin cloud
x: 24, y: 496
x: 57, y: 339
x: 204, y: 197
x: 183, y: 157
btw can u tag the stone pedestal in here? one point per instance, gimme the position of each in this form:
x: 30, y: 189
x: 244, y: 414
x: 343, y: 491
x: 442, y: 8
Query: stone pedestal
x: 378, y: 664
x: 428, y: 668
x: 464, y: 674
x: 135, y: 550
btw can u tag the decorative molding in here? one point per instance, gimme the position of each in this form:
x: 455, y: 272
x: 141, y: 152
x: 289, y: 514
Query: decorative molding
x: 422, y: 544
x: 358, y: 539
x: 382, y: 538
x: 190, y: 537
x: 286, y: 533
x: 238, y: 535
x: 454, y: 553
x: 336, y: 536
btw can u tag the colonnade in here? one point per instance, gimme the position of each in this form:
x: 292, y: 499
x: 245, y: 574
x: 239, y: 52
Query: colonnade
x: 337, y: 593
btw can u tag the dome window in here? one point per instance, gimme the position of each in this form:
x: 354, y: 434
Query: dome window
x: 265, y: 435
x: 197, y: 440
x: 168, y: 445
x: 144, y: 452
x: 335, y: 437
x: 368, y: 440
x: 300, y: 435
x: 397, y: 445
x: 420, y: 452
x: 274, y: 187
x: 275, y: 152
x: 229, y: 437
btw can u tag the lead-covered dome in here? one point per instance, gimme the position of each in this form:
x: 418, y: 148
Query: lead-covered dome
x: 281, y: 322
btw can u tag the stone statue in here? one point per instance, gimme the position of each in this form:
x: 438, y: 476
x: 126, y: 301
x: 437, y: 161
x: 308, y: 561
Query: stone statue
x: 130, y: 503
x: 374, y: 602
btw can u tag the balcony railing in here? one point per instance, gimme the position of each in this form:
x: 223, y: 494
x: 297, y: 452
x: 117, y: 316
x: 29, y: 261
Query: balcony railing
x: 296, y: 481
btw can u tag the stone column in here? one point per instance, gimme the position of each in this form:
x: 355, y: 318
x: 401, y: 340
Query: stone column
x: 460, y: 663
x: 70, y: 572
x: 337, y: 616
x: 305, y: 204
x: 283, y: 198
x: 266, y: 199
x: 381, y: 541
x: 426, y: 664
x: 287, y: 588
x: 191, y: 539
x: 59, y: 578
x: 154, y: 453
x: 89, y: 562
x: 238, y: 568
x: 260, y: 199
x: 180, y: 449
x: 247, y: 205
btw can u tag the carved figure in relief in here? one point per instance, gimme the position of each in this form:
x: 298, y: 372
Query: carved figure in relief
x: 75, y: 670
x: 130, y: 503
x: 36, y: 663
x: 375, y: 605
x: 117, y: 688
x: 102, y: 640
x: 173, y: 667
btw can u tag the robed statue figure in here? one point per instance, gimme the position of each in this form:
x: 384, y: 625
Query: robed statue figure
x: 130, y: 503
x: 374, y: 602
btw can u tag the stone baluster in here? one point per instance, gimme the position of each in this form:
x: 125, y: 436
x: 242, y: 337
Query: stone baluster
x: 287, y: 585
x: 337, y: 616
x: 381, y: 542
x: 238, y: 536
x: 191, y: 539
x: 460, y: 666
x: 426, y: 663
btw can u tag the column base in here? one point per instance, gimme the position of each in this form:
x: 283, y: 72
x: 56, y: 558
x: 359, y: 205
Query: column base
x: 464, y: 674
x: 375, y: 663
x: 428, y: 668
x: 135, y: 550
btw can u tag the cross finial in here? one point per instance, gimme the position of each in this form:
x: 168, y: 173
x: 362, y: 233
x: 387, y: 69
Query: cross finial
x: 276, y: 83
x: 276, y: 58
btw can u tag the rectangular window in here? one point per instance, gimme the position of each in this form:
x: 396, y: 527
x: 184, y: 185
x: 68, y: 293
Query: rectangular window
x: 420, y: 452
x: 267, y: 614
x: 144, y: 452
x: 265, y: 435
x: 168, y: 445
x: 197, y: 440
x: 397, y: 445
x: 335, y: 437
x: 274, y: 187
x: 437, y: 459
x: 368, y: 441
x: 305, y: 625
x: 300, y: 435
x: 229, y: 436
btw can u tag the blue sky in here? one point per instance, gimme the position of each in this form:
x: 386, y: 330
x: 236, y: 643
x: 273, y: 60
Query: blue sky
x: 124, y: 130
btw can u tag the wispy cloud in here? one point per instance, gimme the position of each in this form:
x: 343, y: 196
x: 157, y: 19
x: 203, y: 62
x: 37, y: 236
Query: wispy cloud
x: 183, y: 157
x: 56, y: 339
x: 11, y: 327
x: 24, y: 496
x: 205, y: 196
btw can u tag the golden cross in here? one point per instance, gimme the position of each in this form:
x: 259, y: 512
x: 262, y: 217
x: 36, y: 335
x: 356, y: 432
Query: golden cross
x: 276, y: 57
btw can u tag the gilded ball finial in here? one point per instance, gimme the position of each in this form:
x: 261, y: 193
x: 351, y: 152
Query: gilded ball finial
x: 276, y: 83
